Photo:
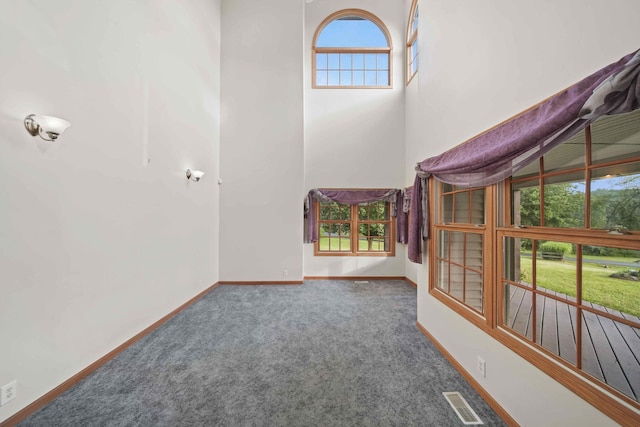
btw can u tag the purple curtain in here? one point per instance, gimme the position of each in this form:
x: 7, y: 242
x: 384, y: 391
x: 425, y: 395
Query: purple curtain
x: 402, y: 219
x: 418, y: 227
x: 496, y: 154
x: 347, y: 197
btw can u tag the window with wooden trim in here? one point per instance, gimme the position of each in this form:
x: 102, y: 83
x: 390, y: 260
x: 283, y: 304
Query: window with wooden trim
x: 460, y: 229
x: 571, y: 253
x: 412, y: 42
x: 364, y: 229
x: 352, y: 49
x: 561, y: 254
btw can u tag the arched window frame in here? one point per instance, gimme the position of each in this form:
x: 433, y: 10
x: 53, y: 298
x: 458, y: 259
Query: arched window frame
x: 411, y: 50
x: 385, y: 50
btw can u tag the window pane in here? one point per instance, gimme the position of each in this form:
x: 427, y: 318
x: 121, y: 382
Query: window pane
x: 473, y: 290
x: 363, y: 212
x: 383, y: 61
x: 414, y: 51
x: 324, y: 212
x: 456, y: 248
x: 556, y: 327
x: 321, y: 61
x: 469, y: 211
x: 376, y: 211
x: 345, y: 78
x: 477, y: 206
x: 321, y: 78
x: 532, y: 169
x: 518, y: 261
x: 334, y: 211
x: 334, y: 78
x: 442, y: 281
x: 334, y: 61
x: 461, y: 213
x: 373, y: 237
x: 370, y: 78
x: 447, y: 188
x: 525, y: 197
x: 351, y: 31
x: 568, y: 155
x: 615, y: 197
x: 358, y: 61
x: 345, y: 238
x: 345, y: 61
x: 474, y: 251
x: 447, y: 209
x: 456, y: 283
x: 370, y: 61
x: 358, y: 78
x: 383, y: 78
x: 615, y: 137
x: 414, y: 23
x: 610, y: 279
x: 443, y: 244
x: 387, y: 244
x: 564, y: 204
x: 609, y: 351
x: 555, y: 268
x: 517, y: 310
x: 345, y: 212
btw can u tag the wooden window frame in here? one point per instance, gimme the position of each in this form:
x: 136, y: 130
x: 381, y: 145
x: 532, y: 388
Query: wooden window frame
x: 412, y: 38
x: 354, y: 223
x: 615, y: 404
x: 482, y: 319
x: 388, y: 50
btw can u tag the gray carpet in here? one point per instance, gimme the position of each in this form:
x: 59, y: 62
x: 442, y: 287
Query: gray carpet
x: 327, y: 353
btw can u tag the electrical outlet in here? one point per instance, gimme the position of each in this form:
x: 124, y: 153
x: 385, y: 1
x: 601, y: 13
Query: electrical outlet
x: 285, y: 273
x: 482, y: 367
x: 9, y: 392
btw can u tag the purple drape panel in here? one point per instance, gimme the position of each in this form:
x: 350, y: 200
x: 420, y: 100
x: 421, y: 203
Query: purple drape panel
x: 347, y: 197
x: 311, y: 232
x: 498, y: 153
x: 417, y: 231
x: 404, y: 207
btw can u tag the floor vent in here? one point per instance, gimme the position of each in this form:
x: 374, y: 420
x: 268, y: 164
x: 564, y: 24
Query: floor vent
x: 462, y: 408
x: 360, y: 281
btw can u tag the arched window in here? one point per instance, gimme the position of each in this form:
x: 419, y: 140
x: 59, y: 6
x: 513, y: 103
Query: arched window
x: 351, y: 49
x: 412, y: 42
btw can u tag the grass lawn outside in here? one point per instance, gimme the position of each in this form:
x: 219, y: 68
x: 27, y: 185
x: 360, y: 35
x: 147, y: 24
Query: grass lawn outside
x: 597, y: 285
x: 343, y: 244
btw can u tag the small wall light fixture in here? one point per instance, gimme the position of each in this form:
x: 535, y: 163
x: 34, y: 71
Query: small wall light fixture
x: 194, y: 175
x: 47, y: 127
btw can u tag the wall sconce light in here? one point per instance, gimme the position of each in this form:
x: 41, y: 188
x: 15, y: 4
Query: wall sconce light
x: 47, y: 127
x: 194, y: 175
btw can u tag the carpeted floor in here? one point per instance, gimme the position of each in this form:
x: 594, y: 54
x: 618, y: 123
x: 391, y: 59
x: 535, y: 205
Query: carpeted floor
x: 326, y: 353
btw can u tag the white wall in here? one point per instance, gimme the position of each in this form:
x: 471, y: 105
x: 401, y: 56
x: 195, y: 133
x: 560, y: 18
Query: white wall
x: 480, y: 63
x: 101, y: 234
x: 354, y: 138
x: 262, y: 141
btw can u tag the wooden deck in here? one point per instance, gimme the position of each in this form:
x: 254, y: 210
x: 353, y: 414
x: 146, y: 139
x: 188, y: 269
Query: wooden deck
x: 610, y: 349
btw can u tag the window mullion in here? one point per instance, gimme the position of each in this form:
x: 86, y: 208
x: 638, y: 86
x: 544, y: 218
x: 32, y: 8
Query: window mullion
x: 355, y: 229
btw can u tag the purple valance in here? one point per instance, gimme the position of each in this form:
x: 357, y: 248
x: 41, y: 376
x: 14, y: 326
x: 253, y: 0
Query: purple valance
x: 499, y: 152
x: 347, y: 197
